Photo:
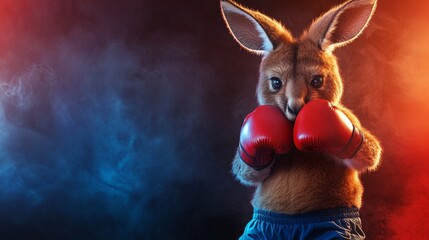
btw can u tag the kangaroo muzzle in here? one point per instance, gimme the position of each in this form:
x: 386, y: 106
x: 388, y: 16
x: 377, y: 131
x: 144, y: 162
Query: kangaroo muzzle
x: 293, y: 107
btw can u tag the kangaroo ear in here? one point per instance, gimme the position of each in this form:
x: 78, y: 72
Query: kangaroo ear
x: 251, y: 29
x: 341, y: 24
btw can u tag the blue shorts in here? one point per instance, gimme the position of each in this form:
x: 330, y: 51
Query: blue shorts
x: 336, y: 223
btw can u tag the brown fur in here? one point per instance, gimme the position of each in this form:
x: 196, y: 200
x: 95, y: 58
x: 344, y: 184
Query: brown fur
x: 305, y: 181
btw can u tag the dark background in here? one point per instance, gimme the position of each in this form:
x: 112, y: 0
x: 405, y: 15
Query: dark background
x: 119, y: 119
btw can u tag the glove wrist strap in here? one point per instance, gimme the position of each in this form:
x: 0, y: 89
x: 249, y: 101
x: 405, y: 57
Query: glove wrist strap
x: 263, y: 158
x: 353, y: 146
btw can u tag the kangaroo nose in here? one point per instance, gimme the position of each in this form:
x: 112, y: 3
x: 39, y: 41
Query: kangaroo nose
x: 294, y: 109
x: 294, y: 105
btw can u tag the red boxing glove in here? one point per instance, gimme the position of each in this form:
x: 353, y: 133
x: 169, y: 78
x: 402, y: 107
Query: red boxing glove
x: 266, y: 133
x: 321, y: 127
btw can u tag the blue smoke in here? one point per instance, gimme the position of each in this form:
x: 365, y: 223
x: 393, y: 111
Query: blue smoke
x: 70, y: 144
x: 106, y: 135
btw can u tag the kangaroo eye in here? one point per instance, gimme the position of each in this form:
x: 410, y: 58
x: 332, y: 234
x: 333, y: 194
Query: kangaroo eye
x: 317, y: 81
x: 276, y: 83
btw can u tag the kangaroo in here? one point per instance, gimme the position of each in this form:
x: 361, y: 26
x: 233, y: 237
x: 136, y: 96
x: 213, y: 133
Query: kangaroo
x: 293, y: 72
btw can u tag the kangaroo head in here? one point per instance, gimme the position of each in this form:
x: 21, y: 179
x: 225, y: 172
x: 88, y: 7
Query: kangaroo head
x: 294, y: 71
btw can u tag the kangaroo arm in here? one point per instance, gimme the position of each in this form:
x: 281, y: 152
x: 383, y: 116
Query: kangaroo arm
x: 368, y: 156
x: 247, y: 175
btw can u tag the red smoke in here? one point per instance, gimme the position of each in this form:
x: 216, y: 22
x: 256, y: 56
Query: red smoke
x: 397, y: 199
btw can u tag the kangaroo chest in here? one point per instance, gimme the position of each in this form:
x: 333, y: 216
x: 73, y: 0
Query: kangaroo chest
x: 302, y: 182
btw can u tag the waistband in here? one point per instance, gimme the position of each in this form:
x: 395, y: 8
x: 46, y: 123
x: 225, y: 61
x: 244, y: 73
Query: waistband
x: 306, y: 218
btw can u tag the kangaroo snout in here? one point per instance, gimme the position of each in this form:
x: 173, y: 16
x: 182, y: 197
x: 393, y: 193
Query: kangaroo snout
x: 293, y: 107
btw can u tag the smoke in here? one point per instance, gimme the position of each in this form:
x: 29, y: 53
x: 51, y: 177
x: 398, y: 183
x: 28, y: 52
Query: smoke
x: 391, y: 103
x: 71, y: 148
x: 103, y: 128
x: 412, y: 55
